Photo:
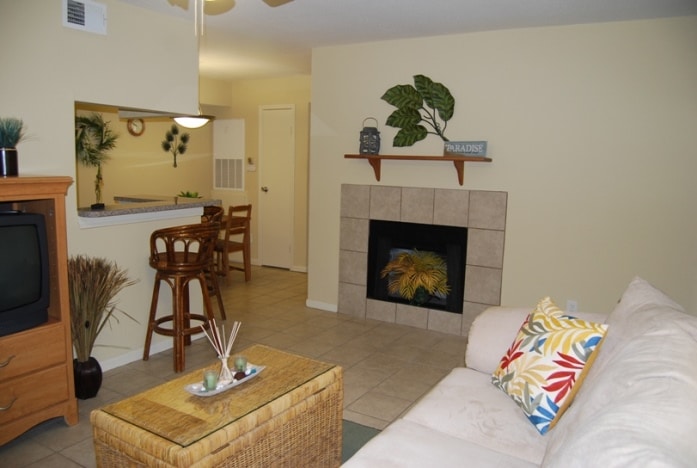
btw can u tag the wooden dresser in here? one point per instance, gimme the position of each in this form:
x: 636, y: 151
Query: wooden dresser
x: 36, y: 371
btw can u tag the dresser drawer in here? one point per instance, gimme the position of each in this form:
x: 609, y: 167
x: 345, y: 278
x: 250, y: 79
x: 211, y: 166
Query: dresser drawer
x: 24, y: 395
x: 31, y: 350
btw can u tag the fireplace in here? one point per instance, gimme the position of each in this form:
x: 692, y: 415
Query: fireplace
x: 394, y: 241
x: 482, y: 213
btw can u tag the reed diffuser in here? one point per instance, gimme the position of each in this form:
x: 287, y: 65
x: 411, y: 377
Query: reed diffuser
x: 222, y: 347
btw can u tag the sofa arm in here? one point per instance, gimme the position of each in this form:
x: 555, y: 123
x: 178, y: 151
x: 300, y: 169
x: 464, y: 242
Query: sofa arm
x: 493, y: 331
x: 490, y: 335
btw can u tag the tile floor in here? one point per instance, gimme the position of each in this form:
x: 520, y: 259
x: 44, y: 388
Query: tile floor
x: 387, y: 367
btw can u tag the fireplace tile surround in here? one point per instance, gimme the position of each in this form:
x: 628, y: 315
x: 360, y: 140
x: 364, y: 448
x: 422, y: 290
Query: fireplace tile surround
x: 482, y: 212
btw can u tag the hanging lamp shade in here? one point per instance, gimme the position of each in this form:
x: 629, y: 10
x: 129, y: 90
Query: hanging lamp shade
x: 193, y: 121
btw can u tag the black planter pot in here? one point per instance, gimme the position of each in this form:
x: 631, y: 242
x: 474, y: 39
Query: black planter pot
x: 88, y: 378
x: 8, y: 162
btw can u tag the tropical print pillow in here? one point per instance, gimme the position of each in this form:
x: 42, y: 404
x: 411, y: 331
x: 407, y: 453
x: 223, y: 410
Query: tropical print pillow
x: 544, y: 367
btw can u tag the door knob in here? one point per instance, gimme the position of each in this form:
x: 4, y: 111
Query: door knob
x: 264, y: 189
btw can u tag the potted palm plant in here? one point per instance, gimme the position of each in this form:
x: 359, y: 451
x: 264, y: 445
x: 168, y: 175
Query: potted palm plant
x: 93, y: 140
x: 93, y: 284
x: 417, y: 276
x: 11, y: 133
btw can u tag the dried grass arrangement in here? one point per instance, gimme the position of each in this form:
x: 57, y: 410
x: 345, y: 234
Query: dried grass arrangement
x: 93, y: 283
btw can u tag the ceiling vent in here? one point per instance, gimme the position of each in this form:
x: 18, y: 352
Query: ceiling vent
x: 85, y: 16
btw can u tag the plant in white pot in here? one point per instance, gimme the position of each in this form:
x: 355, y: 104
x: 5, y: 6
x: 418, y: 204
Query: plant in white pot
x: 11, y: 133
x: 93, y: 284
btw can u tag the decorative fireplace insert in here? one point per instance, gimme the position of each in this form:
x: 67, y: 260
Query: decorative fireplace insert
x: 388, y: 240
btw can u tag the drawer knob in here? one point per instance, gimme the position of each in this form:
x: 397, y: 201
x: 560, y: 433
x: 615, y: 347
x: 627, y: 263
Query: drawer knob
x: 7, y: 361
x: 5, y: 408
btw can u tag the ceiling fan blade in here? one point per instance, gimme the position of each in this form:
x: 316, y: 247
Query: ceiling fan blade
x: 217, y: 7
x: 275, y: 3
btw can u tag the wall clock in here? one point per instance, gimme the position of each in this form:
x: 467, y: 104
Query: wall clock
x: 136, y: 127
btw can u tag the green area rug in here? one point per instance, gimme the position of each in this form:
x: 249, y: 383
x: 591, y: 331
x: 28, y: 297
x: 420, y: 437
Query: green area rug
x: 355, y: 436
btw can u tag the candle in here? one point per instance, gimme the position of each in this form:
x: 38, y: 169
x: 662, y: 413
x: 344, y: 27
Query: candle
x: 210, y: 380
x: 240, y: 363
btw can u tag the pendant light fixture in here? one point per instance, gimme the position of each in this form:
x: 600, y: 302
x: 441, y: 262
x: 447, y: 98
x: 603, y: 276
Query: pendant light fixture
x: 196, y: 121
x: 193, y: 121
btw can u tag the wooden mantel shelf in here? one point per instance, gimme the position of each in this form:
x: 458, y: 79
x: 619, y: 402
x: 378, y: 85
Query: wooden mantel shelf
x: 458, y: 161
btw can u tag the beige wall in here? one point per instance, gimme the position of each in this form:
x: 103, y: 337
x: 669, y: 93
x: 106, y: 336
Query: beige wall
x: 147, y: 61
x: 591, y: 131
x: 246, y: 98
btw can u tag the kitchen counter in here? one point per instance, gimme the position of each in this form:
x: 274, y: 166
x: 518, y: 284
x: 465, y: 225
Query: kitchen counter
x: 140, y: 208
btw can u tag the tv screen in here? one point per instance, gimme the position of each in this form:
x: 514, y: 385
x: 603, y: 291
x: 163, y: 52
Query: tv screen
x: 24, y: 271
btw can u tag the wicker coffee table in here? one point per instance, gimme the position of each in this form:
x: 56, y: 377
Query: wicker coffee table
x: 289, y: 415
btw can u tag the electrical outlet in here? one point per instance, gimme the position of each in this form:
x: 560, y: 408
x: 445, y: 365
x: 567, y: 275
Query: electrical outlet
x: 571, y: 306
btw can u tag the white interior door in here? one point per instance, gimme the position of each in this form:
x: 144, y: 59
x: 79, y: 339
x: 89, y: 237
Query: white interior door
x: 276, y: 175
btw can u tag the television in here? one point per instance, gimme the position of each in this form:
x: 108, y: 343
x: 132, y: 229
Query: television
x: 24, y: 271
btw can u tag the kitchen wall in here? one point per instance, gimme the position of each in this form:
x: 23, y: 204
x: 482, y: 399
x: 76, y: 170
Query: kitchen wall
x: 139, y: 166
x: 591, y: 131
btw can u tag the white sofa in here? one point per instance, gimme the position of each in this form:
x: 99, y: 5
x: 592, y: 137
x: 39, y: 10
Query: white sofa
x: 636, y: 408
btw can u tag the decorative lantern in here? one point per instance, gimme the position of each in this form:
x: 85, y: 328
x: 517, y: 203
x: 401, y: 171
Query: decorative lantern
x: 370, y: 138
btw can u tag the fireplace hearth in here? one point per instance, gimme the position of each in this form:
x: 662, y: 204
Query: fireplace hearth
x: 482, y: 213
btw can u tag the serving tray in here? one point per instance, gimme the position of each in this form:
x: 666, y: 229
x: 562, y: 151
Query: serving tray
x: 199, y: 390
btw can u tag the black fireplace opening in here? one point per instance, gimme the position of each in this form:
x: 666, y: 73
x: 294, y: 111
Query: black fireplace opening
x: 388, y: 239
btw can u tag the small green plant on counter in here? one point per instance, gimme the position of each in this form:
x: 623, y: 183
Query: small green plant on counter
x: 426, y: 101
x: 188, y: 194
x: 175, y: 143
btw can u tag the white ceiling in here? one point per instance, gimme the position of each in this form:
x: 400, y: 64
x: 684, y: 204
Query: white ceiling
x: 249, y: 39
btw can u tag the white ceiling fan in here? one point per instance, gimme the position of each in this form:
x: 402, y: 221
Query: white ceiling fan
x: 215, y: 7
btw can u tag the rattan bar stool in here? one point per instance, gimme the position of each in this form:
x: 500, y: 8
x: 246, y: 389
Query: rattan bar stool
x: 212, y: 214
x: 180, y: 255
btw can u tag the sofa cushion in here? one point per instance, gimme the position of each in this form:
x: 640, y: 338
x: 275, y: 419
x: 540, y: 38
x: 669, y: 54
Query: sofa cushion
x: 639, y: 401
x: 405, y: 444
x: 639, y: 295
x: 464, y: 405
x: 545, y: 365
x: 490, y: 336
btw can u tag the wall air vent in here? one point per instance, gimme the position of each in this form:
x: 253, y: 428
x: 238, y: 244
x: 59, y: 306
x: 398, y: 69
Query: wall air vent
x: 229, y: 173
x: 85, y: 16
x: 228, y: 154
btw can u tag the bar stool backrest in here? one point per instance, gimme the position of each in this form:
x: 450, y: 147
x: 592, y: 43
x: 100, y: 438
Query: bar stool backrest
x: 183, y: 249
x: 212, y: 214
